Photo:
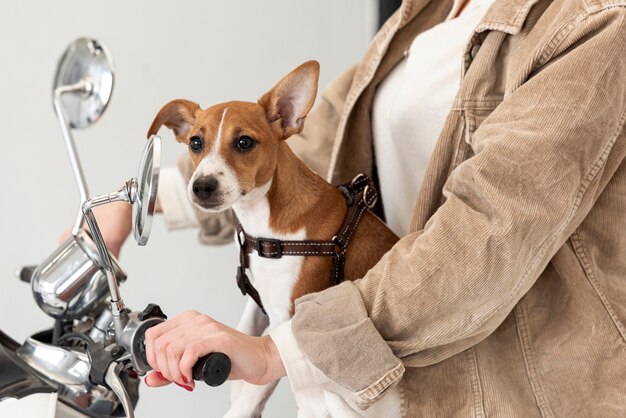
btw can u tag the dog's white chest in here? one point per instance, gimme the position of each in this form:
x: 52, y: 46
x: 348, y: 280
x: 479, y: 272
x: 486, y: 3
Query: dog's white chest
x: 273, y: 278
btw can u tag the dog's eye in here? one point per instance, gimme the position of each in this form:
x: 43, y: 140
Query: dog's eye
x: 244, y: 143
x: 196, y: 144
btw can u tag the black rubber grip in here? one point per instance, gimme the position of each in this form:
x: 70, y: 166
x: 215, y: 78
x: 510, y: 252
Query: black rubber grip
x: 213, y: 369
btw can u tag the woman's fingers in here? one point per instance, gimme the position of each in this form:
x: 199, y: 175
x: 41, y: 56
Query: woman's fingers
x: 158, y: 331
x: 204, y: 330
x: 166, y: 342
x: 168, y: 349
x: 174, y: 352
x: 155, y: 380
x: 200, y: 348
x: 151, y: 336
x: 161, y: 347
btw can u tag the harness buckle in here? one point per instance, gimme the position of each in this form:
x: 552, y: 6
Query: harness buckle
x: 357, y: 178
x: 278, y: 251
x: 370, y: 205
x: 339, y: 246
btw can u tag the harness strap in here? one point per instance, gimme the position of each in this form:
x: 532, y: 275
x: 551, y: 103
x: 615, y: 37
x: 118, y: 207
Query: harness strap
x: 360, y: 196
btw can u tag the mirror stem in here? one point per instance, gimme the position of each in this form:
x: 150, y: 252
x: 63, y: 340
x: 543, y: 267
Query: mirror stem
x: 84, y: 86
x: 118, y: 308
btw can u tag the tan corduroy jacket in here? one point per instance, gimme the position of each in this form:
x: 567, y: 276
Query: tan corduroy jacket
x: 508, y: 296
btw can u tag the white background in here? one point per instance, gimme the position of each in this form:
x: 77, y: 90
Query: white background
x: 207, y: 51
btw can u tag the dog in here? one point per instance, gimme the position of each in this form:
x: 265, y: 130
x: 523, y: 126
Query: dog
x: 242, y: 161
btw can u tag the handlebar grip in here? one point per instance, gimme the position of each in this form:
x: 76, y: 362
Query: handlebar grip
x: 213, y: 369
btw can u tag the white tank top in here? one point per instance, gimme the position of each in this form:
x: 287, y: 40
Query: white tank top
x: 410, y: 108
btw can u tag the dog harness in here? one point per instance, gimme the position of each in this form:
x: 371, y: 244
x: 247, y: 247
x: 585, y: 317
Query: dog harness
x: 360, y: 196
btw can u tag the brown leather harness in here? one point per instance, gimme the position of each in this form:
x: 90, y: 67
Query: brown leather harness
x: 360, y: 196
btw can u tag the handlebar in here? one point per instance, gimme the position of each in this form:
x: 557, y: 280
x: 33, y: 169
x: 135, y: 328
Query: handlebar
x: 213, y: 369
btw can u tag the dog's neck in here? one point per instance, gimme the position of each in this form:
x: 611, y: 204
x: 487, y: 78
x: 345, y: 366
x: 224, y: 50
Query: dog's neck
x: 295, y: 198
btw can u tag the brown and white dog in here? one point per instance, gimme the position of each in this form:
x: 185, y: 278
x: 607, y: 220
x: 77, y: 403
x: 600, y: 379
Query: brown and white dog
x: 242, y: 162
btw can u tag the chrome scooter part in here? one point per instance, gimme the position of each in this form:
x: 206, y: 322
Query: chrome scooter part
x: 70, y: 282
x: 133, y: 339
x: 112, y: 379
x: 118, y: 308
x: 68, y: 371
x: 102, y: 328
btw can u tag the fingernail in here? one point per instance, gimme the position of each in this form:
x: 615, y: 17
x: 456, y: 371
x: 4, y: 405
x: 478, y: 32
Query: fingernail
x: 185, y: 379
x: 160, y: 375
x: 145, y: 380
x: 187, y: 388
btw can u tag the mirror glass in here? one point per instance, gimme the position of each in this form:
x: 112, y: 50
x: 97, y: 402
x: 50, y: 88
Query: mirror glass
x: 85, y: 60
x: 147, y: 182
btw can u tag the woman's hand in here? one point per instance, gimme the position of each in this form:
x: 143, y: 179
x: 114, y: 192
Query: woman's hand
x: 114, y: 221
x: 174, y: 346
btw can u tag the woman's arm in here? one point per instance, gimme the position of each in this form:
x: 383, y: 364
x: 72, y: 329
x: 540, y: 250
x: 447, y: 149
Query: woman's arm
x: 173, y: 347
x: 114, y: 221
x: 540, y: 165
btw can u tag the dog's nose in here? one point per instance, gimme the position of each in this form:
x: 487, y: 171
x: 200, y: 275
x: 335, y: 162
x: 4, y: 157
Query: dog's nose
x: 204, y: 187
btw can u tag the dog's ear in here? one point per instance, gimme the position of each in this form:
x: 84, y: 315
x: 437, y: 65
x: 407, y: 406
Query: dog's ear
x: 291, y: 99
x: 178, y: 115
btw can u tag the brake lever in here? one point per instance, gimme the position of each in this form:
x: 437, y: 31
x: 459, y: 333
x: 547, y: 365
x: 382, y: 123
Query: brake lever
x: 107, y: 365
x: 112, y: 379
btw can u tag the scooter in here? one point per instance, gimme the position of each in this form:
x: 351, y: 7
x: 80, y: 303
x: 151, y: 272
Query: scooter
x: 89, y: 363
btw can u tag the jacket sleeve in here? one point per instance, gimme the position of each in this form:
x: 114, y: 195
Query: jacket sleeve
x: 539, y: 160
x: 314, y: 146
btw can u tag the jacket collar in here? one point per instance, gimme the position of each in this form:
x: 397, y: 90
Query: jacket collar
x: 503, y: 15
x: 506, y: 16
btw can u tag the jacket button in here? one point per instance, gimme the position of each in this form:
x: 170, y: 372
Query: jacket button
x: 474, y: 51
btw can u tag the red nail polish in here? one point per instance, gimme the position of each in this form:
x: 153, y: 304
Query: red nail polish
x: 187, y: 388
x: 185, y: 379
x: 160, y: 375
x: 145, y: 380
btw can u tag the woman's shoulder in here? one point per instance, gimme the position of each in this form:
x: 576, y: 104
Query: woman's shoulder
x: 578, y: 9
x: 565, y: 24
x: 593, y: 6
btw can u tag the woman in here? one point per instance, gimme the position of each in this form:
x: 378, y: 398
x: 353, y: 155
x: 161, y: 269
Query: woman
x: 507, y: 293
